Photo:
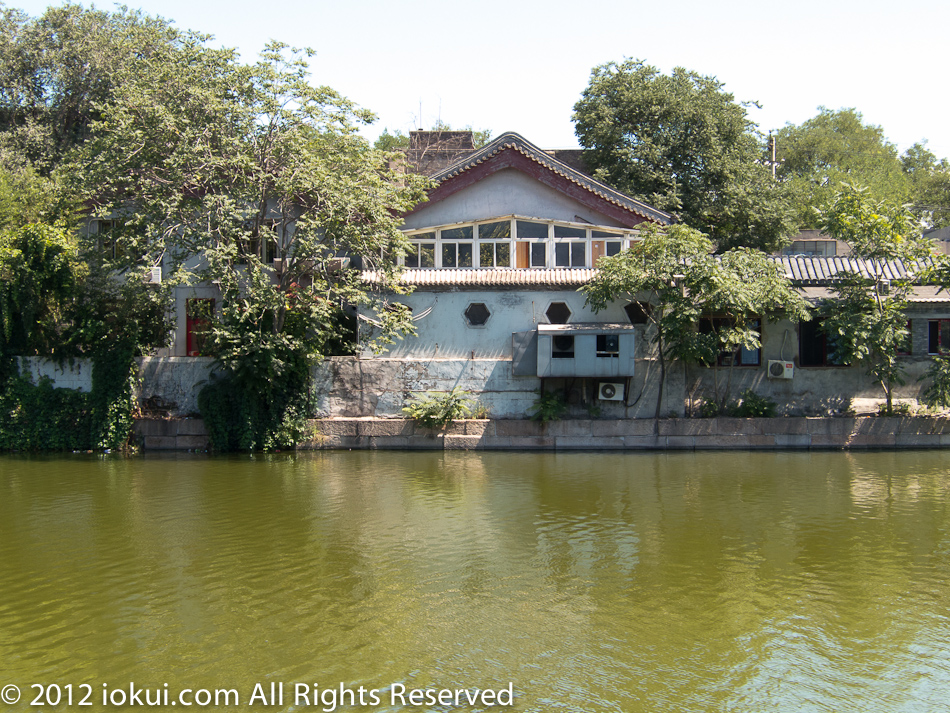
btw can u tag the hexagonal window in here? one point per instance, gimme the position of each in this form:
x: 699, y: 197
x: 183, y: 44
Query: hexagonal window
x: 558, y: 313
x: 638, y: 312
x: 477, y: 314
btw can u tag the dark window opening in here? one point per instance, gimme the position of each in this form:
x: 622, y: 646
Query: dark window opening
x: 477, y: 314
x: 570, y: 254
x: 740, y: 357
x: 558, y: 313
x: 421, y: 255
x: 608, y: 345
x: 494, y: 231
x: 562, y: 346
x: 815, y: 348
x: 527, y: 229
x: 456, y: 254
x: 938, y: 336
x: 465, y: 233
x: 539, y: 255
x: 638, y: 312
x: 494, y: 255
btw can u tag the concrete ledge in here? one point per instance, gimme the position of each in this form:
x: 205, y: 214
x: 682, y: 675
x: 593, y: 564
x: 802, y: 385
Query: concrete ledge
x: 588, y: 434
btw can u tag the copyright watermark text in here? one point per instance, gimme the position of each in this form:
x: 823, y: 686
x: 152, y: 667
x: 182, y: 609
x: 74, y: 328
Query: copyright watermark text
x: 307, y: 695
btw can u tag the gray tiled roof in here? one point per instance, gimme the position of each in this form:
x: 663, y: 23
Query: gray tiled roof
x: 516, y: 142
x: 812, y: 275
x: 816, y: 270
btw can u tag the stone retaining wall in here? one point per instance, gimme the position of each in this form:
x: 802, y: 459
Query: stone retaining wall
x: 172, y: 434
x: 597, y: 435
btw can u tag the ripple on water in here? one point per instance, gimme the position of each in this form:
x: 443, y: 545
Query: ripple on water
x: 670, y: 582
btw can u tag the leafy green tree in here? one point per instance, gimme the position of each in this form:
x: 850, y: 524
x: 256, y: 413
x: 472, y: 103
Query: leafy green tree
x: 683, y: 144
x: 26, y: 197
x: 868, y: 315
x: 57, y: 70
x: 661, y: 272
x: 39, y: 277
x: 930, y: 185
x: 835, y: 148
x: 677, y: 281
x: 742, y: 286
x: 253, y: 179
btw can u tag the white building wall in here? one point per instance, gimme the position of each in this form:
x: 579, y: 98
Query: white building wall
x: 445, y: 333
x: 508, y: 192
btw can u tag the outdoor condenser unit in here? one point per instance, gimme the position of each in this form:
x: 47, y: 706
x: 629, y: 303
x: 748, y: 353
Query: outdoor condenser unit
x: 610, y: 391
x: 779, y: 369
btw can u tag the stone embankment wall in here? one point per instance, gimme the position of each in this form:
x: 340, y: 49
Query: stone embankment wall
x: 349, y: 387
x: 795, y: 433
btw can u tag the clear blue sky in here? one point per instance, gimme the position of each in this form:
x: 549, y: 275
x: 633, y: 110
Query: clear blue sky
x: 521, y: 65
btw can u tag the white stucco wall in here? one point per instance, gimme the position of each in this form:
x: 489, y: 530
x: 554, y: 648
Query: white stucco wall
x: 73, y: 374
x: 508, y: 192
x: 446, y: 334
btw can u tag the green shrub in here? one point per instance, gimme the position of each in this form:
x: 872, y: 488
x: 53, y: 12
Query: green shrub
x: 436, y: 409
x: 751, y: 405
x: 937, y: 395
x: 266, y: 416
x: 709, y: 408
x: 550, y: 406
x: 900, y: 408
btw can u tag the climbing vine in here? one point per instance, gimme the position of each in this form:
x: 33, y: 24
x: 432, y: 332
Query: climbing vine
x: 38, y: 417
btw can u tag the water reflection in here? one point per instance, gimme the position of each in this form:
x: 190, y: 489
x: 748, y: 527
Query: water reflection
x: 653, y: 582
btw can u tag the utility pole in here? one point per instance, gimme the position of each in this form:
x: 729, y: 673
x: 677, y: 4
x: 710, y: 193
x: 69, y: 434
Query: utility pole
x: 772, y: 151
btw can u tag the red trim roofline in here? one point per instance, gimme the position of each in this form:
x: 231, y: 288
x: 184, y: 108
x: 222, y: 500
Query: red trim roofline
x: 510, y: 157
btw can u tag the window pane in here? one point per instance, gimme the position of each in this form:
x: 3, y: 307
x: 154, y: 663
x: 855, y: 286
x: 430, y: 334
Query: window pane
x: 613, y: 247
x: 578, y: 251
x: 427, y: 255
x: 563, y: 231
x: 412, y: 256
x: 944, y: 336
x: 562, y: 255
x: 604, y: 234
x: 423, y: 236
x: 448, y: 255
x: 494, y: 231
x: 502, y: 254
x: 486, y: 254
x: 463, y: 233
x: 532, y: 230
x: 465, y: 255
x: 539, y: 255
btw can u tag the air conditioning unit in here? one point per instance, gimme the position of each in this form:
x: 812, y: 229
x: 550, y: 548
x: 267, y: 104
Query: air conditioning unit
x: 562, y: 346
x: 779, y: 369
x: 154, y: 276
x: 610, y: 391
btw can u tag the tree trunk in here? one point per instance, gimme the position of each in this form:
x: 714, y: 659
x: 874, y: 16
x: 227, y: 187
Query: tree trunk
x: 659, y: 395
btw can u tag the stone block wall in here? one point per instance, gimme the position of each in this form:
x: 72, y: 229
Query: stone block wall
x: 795, y: 433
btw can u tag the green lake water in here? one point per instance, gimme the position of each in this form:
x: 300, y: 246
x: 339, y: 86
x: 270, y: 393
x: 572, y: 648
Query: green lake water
x: 789, y: 582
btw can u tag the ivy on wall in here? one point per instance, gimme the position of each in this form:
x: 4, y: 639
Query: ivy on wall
x: 38, y: 417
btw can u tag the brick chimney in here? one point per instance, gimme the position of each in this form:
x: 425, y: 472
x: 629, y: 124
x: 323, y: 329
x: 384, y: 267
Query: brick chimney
x: 431, y: 151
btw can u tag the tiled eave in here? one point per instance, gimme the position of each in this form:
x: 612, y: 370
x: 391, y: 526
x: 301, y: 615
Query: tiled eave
x: 491, y: 277
x: 812, y: 275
